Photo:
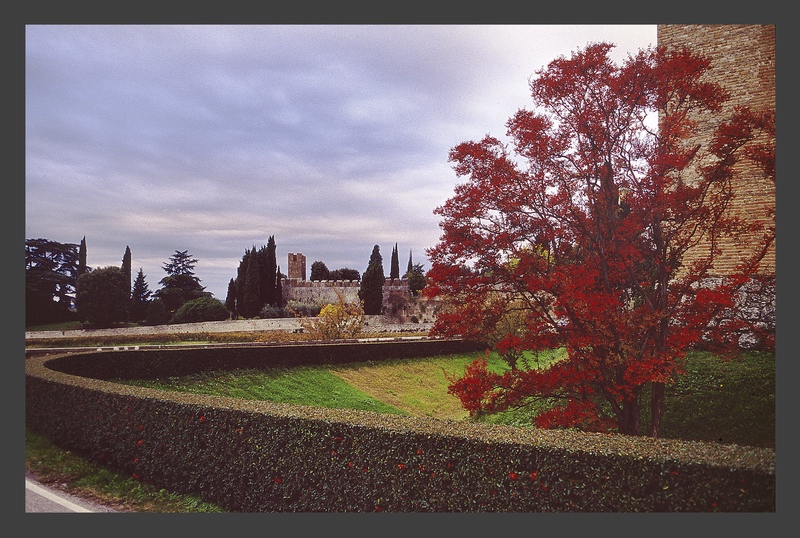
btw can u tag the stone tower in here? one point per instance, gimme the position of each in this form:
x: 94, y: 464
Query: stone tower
x: 297, y: 267
x: 743, y: 62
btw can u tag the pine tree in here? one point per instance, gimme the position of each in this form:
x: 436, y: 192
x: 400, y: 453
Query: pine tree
x: 140, y: 298
x: 371, y: 290
x: 394, y: 271
x: 410, y: 265
x: 180, y: 285
x: 50, y: 280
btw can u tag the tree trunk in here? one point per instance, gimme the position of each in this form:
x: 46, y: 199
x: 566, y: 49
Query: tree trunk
x: 630, y: 417
x: 656, y: 409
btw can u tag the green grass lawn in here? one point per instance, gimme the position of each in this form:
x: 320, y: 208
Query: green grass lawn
x: 724, y: 401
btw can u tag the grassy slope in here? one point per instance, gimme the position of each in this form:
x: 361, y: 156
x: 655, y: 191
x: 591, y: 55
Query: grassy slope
x: 729, y: 402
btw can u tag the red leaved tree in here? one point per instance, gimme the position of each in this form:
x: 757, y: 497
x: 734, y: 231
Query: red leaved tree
x: 576, y: 235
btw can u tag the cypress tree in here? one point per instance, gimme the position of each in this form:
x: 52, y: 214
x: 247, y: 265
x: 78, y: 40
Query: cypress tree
x: 251, y: 304
x: 82, y: 257
x: 371, y: 290
x: 265, y: 291
x: 230, y: 299
x: 241, y: 274
x: 271, y: 296
x: 126, y: 267
x: 394, y: 271
x: 279, y: 288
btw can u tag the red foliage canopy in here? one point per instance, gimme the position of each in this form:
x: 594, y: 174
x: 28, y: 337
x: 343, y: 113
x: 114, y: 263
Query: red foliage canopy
x: 577, y: 235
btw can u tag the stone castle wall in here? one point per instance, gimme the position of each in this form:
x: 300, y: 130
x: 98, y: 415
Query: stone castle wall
x: 396, y: 298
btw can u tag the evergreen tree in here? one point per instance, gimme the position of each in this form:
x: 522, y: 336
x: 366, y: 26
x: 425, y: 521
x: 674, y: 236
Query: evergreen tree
x: 319, y: 271
x: 251, y: 304
x: 416, y: 279
x: 371, y: 290
x: 82, y: 257
x: 241, y: 274
x: 279, y: 288
x: 140, y: 297
x: 230, y: 299
x: 410, y: 265
x: 126, y: 267
x: 180, y: 285
x: 50, y: 280
x: 265, y: 291
x: 126, y: 270
x: 270, y: 276
x: 103, y: 296
x: 394, y: 271
x: 345, y: 273
x: 157, y: 313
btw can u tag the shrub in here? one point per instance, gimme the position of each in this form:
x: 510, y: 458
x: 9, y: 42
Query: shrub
x: 271, y: 312
x: 298, y: 309
x: 340, y: 320
x: 156, y: 313
x: 200, y: 309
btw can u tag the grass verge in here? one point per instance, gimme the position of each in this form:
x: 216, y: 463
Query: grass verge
x: 69, y: 472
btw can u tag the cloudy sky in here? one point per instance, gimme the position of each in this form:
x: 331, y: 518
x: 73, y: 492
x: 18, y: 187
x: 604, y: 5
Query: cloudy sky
x: 209, y: 139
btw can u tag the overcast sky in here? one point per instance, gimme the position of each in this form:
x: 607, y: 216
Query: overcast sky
x: 209, y: 139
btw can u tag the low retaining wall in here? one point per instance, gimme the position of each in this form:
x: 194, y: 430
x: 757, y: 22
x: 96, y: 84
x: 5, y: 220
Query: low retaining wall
x: 253, y: 456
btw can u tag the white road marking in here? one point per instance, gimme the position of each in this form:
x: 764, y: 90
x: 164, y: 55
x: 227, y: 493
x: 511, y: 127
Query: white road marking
x: 56, y: 499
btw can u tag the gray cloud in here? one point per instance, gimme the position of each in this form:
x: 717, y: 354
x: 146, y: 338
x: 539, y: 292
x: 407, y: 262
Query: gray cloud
x: 212, y: 138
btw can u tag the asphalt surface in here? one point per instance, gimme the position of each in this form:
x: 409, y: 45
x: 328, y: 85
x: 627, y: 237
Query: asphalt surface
x: 372, y: 324
x: 40, y: 498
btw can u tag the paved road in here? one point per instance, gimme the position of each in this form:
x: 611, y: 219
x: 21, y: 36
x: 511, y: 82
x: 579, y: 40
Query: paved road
x: 374, y: 324
x: 40, y: 498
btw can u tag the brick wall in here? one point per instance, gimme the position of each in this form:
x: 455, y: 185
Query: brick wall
x: 743, y: 61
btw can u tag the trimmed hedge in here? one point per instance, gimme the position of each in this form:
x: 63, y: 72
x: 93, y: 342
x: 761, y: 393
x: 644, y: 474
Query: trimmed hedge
x: 175, y: 362
x: 258, y: 456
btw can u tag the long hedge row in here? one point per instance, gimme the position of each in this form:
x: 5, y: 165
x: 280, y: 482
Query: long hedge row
x: 252, y: 456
